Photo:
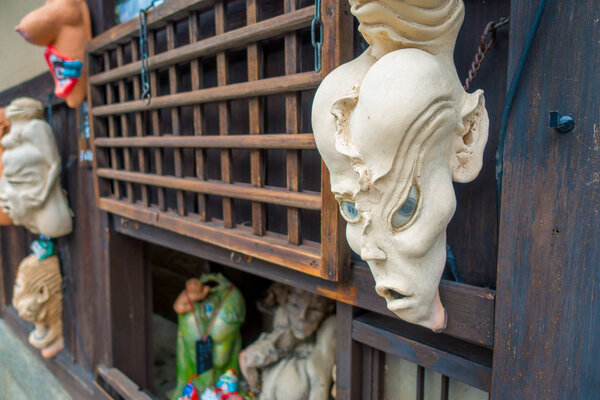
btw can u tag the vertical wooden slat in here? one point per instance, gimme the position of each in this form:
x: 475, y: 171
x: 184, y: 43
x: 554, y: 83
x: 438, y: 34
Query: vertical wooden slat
x: 445, y: 388
x: 335, y: 254
x: 200, y: 154
x: 97, y: 129
x: 111, y: 128
x: 255, y: 117
x: 156, y: 124
x: 420, y: 382
x: 124, y: 127
x: 348, y: 355
x: 175, y: 123
x: 373, y: 364
x: 139, y: 126
x: 222, y: 78
x: 293, y: 166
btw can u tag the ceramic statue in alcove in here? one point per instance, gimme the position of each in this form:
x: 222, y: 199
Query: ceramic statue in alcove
x: 37, y: 296
x: 210, y: 312
x: 30, y: 191
x: 295, y: 359
x: 395, y: 129
x: 4, y: 128
x: 63, y: 27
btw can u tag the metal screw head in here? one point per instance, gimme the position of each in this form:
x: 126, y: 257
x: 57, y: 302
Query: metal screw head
x: 562, y: 123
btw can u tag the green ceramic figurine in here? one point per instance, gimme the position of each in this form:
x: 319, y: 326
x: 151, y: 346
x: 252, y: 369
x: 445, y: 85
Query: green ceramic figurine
x: 210, y: 312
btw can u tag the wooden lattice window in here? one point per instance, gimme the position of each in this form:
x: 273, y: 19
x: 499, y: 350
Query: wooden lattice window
x: 224, y: 152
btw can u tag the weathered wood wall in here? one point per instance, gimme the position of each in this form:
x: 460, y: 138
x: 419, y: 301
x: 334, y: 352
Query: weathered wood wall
x: 548, y: 304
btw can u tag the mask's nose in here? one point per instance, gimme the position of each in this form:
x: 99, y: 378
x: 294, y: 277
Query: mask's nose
x: 370, y: 250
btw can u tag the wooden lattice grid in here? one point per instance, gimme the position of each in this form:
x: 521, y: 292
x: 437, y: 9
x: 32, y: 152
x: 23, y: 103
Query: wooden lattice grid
x: 178, y: 163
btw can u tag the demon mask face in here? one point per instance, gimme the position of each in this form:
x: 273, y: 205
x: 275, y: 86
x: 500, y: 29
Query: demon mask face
x: 393, y: 146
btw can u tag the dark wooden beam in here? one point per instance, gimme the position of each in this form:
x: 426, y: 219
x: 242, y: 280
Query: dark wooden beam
x: 400, y: 339
x: 348, y: 355
x: 470, y: 309
x: 548, y: 310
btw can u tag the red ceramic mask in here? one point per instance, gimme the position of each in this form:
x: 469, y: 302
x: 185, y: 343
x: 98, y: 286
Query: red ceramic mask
x: 65, y: 71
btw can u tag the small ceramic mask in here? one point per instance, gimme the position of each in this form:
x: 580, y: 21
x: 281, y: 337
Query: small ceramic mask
x: 37, y: 296
x: 395, y: 129
x: 30, y: 191
x: 4, y: 128
x: 64, y: 28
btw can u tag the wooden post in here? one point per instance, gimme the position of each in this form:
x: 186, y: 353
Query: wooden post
x: 548, y: 305
x: 335, y: 254
x: 348, y: 355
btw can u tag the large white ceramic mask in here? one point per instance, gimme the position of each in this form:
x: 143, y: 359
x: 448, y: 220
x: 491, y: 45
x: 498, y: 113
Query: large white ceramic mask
x: 393, y: 146
x: 30, y: 191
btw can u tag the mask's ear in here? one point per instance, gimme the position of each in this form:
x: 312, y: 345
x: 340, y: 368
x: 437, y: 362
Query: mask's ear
x: 44, y: 293
x: 467, y: 157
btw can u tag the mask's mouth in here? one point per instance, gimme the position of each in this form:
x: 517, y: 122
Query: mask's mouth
x: 391, y: 294
x: 395, y: 299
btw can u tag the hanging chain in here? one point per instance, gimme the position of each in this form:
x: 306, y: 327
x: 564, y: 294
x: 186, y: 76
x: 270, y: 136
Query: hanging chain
x: 484, y: 46
x: 146, y: 96
x: 316, y: 34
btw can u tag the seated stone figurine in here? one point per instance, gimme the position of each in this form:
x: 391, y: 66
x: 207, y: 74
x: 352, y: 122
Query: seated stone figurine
x: 210, y: 312
x: 63, y: 27
x: 395, y: 129
x: 30, y: 191
x: 294, y: 360
x: 37, y: 296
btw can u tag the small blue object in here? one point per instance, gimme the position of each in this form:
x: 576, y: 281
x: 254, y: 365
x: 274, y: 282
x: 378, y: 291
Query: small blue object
x: 72, y: 69
x: 190, y: 392
x: 43, y: 249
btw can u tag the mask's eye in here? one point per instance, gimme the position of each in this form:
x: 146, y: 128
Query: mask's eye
x: 406, y: 210
x: 349, y: 211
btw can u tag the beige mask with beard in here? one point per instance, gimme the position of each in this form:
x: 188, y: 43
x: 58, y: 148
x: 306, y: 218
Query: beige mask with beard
x: 30, y: 191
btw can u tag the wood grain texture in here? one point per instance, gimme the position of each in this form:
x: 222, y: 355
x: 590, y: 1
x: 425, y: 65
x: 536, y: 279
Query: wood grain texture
x: 117, y: 381
x: 139, y: 126
x: 124, y: 127
x: 263, y: 87
x: 348, y: 355
x: 156, y: 18
x: 255, y: 122
x: 199, y: 123
x: 175, y: 120
x: 239, y: 37
x: 131, y: 316
x: 298, y: 141
x: 472, y: 233
x: 272, y: 248
x: 471, y: 308
x: 273, y: 195
x: 548, y: 311
x: 337, y: 23
x: 377, y: 332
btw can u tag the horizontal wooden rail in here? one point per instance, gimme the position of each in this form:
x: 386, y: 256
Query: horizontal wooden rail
x: 271, y: 247
x: 119, y: 382
x: 275, y: 141
x: 267, y: 194
x: 374, y: 331
x: 470, y: 309
x: 239, y: 37
x: 263, y: 87
x: 157, y: 17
